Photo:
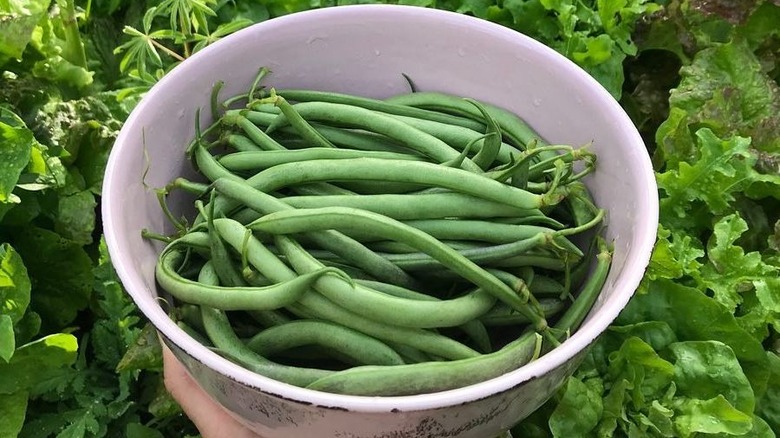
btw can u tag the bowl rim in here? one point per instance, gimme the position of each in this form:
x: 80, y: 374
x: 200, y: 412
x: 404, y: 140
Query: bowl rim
x: 579, y: 341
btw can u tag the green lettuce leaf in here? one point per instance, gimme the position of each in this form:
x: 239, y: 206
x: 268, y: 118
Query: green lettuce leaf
x: 712, y: 416
x: 769, y: 404
x: 17, y: 21
x: 727, y: 90
x: 693, y: 316
x: 16, y: 144
x: 731, y: 271
x: 577, y: 412
x: 707, y: 369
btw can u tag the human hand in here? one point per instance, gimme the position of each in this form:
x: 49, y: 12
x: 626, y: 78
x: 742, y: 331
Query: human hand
x: 210, y: 418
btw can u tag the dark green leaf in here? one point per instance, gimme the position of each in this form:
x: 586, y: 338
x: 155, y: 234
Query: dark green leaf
x: 61, y: 275
x: 14, y: 407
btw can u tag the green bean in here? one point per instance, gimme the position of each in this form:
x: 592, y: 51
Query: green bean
x: 483, y: 231
x: 409, y: 354
x: 286, y: 222
x: 220, y: 257
x: 483, y: 255
x: 269, y: 318
x: 388, y: 308
x: 492, y: 144
x: 503, y: 315
x: 379, y: 123
x: 315, y: 306
x: 306, y: 131
x: 474, y: 329
x: 192, y: 187
x: 376, y: 105
x: 459, y: 137
x: 342, y: 245
x: 255, y: 161
x: 241, y: 143
x: 362, y: 349
x: 368, y: 169
x: 415, y: 206
x: 210, y: 167
x: 428, y: 174
x: 430, y: 377
x: 261, y: 139
x: 349, y: 138
x: 221, y: 334
x: 576, y: 313
x: 194, y: 334
x: 512, y: 125
x: 231, y: 298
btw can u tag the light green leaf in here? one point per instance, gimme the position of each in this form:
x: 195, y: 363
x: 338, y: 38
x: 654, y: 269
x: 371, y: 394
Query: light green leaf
x: 36, y: 361
x: 769, y: 403
x: 14, y: 284
x: 578, y: 412
x: 675, y: 255
x: 643, y: 368
x: 705, y: 369
x: 14, y: 409
x: 7, y: 338
x: 694, y: 316
x: 16, y: 142
x: 17, y: 22
x: 724, y: 167
x: 731, y: 271
x: 711, y: 416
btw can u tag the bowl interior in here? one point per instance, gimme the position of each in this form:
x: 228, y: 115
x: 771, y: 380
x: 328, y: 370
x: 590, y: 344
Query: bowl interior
x: 365, y: 50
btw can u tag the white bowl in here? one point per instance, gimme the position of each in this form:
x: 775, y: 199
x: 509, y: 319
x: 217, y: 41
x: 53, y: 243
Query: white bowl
x: 363, y: 50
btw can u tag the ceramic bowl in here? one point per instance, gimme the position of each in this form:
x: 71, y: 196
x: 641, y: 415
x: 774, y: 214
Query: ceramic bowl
x: 364, y: 50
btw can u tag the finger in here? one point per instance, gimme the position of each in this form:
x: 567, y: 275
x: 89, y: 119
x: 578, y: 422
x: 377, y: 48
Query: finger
x: 211, y: 419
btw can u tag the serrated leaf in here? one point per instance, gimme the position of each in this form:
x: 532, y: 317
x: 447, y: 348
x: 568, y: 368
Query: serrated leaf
x: 730, y: 271
x: 724, y: 167
x: 34, y: 361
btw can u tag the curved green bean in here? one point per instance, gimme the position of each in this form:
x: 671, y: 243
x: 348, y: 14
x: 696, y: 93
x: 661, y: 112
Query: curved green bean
x: 294, y: 221
x: 362, y: 349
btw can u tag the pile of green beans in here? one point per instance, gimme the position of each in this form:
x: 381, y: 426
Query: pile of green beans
x: 381, y: 247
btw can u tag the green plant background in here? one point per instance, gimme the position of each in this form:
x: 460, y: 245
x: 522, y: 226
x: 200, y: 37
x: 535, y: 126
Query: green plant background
x: 695, y: 353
